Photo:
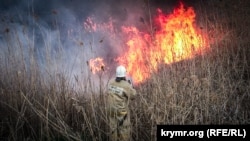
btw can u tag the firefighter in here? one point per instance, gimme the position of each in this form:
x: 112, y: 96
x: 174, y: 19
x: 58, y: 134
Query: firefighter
x: 120, y: 93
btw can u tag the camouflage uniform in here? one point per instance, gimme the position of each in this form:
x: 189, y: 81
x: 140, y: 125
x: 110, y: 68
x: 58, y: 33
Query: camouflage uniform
x: 119, y: 96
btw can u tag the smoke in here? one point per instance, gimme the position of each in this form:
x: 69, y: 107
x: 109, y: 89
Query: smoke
x: 62, y: 35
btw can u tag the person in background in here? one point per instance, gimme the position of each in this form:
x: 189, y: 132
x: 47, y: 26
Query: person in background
x: 120, y: 93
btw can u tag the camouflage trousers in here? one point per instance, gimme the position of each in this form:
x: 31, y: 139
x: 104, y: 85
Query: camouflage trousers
x: 120, y: 128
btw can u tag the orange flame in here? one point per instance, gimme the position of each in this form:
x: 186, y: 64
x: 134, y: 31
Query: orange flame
x: 96, y: 65
x: 177, y: 39
x: 135, y: 58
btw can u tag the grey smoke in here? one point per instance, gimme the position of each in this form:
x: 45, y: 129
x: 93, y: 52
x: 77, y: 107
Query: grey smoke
x: 54, y: 31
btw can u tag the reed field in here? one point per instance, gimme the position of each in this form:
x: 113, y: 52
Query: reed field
x: 212, y: 88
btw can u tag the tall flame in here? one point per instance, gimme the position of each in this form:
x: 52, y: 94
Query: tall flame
x: 177, y: 39
x: 135, y: 58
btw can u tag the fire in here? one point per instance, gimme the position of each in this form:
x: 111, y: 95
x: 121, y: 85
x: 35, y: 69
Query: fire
x: 176, y: 39
x: 135, y: 58
x: 96, y: 65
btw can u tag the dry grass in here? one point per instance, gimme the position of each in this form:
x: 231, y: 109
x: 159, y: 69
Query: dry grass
x: 209, y: 89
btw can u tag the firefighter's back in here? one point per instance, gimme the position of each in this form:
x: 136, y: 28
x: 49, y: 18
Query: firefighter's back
x: 117, y: 97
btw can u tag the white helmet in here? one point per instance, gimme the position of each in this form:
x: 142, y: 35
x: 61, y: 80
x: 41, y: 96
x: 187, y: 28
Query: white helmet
x: 120, y: 71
